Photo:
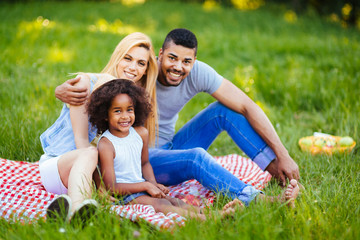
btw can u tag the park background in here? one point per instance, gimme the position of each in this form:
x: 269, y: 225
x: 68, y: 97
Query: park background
x: 299, y: 62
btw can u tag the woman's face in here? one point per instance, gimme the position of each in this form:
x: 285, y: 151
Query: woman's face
x: 134, y: 64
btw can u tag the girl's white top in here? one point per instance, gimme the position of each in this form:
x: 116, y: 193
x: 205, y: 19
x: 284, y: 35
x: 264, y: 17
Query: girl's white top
x: 127, y: 161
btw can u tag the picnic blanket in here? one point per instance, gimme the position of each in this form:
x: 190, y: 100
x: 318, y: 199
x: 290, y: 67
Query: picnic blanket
x: 24, y: 199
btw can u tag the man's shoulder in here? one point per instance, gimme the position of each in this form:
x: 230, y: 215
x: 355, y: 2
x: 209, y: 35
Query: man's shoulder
x: 200, y: 67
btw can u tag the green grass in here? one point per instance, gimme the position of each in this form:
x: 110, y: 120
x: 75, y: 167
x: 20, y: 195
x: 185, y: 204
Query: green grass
x: 305, y: 75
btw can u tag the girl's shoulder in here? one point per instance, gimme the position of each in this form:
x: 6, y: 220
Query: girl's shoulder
x: 105, y: 144
x: 142, y: 131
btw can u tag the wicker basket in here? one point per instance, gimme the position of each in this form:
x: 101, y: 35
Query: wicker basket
x: 330, y: 145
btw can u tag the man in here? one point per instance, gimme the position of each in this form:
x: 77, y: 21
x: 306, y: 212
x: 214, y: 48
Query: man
x: 182, y: 156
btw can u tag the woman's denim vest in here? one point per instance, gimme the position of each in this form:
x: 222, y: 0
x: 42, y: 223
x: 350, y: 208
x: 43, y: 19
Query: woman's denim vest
x: 59, y: 138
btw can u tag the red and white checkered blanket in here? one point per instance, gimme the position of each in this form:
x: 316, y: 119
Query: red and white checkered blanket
x: 24, y: 199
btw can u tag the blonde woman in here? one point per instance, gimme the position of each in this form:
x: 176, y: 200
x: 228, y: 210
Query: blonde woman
x: 69, y: 160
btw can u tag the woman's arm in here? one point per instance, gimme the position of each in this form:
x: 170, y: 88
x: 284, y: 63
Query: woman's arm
x: 106, y: 158
x: 79, y: 117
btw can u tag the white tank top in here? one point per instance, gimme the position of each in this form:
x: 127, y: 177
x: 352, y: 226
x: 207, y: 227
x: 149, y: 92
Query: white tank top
x: 127, y: 161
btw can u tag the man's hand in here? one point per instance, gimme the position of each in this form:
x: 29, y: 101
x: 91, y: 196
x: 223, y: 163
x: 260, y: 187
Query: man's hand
x: 68, y: 93
x: 162, y: 188
x: 282, y: 168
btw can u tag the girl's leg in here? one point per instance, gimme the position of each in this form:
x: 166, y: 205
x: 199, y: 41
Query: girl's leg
x: 179, y: 203
x: 165, y: 206
x: 76, y: 169
x: 228, y: 209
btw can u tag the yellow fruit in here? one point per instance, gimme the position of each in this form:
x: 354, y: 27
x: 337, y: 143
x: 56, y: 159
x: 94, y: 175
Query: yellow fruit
x: 346, y: 141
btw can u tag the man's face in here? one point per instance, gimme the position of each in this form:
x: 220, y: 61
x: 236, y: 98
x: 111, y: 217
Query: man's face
x: 175, y: 64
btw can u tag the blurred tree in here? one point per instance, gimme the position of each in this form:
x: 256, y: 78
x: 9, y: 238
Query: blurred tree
x: 346, y: 11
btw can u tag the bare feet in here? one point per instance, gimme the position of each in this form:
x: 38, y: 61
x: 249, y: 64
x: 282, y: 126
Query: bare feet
x: 233, y: 204
x: 230, y: 207
x: 291, y: 193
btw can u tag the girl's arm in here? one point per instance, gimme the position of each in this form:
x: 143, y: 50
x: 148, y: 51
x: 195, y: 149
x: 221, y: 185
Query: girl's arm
x: 147, y: 170
x: 79, y: 117
x: 106, y: 157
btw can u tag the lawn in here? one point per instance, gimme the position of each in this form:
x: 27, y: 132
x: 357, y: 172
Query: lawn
x: 304, y: 72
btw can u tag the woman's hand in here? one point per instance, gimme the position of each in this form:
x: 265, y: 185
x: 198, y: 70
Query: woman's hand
x: 154, y: 191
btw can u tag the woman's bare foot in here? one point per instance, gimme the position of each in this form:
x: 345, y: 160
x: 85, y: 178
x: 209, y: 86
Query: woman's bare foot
x: 291, y: 193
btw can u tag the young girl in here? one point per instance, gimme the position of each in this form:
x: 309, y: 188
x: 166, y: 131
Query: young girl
x: 119, y: 109
x: 69, y: 160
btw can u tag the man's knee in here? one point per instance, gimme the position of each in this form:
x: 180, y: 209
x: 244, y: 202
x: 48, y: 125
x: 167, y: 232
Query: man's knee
x: 220, y: 108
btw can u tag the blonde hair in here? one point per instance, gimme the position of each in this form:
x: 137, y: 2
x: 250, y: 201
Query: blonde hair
x: 148, y: 81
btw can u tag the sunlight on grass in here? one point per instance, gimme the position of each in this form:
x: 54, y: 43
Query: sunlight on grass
x: 57, y: 54
x: 117, y: 27
x: 333, y: 18
x: 32, y: 29
x: 247, y: 4
x: 290, y: 16
x: 244, y: 78
x: 130, y: 2
x: 209, y: 5
x: 346, y: 10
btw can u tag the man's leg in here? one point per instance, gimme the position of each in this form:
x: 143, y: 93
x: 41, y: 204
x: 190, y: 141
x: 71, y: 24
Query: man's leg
x: 175, y: 166
x: 202, y: 130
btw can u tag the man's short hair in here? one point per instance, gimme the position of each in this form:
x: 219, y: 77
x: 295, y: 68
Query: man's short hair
x: 181, y: 36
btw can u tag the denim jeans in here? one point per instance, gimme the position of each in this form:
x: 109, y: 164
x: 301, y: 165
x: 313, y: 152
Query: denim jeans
x: 186, y: 157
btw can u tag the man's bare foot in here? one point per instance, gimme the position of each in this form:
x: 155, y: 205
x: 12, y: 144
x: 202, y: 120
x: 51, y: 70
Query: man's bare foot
x: 230, y: 207
x: 291, y: 193
x: 236, y: 203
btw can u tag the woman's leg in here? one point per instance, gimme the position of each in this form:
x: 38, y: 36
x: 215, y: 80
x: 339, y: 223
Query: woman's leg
x: 76, y: 169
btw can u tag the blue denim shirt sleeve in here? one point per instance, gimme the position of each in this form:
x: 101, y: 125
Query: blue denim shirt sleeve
x: 265, y: 157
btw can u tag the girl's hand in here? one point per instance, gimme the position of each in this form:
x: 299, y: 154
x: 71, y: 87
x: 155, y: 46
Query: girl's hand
x: 162, y: 188
x: 154, y: 191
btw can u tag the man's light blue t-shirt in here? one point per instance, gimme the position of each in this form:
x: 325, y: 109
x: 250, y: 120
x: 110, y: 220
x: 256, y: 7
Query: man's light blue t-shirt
x: 170, y: 100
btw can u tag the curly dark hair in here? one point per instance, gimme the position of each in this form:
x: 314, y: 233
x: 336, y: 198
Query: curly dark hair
x: 101, y: 98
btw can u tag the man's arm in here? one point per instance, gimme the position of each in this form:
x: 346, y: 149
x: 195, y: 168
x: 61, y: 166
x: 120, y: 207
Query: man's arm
x: 232, y: 97
x: 73, y: 95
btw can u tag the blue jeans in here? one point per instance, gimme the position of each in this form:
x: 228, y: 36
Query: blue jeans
x: 185, y: 157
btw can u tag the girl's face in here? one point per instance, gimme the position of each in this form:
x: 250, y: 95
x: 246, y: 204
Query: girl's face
x: 121, y: 115
x: 134, y: 64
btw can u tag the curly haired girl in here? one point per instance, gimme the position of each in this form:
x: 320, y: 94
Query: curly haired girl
x: 118, y: 109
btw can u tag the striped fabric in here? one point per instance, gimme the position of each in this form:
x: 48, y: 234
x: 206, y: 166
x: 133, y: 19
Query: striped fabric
x: 24, y: 199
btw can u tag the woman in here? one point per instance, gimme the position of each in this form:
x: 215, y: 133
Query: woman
x: 69, y: 159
